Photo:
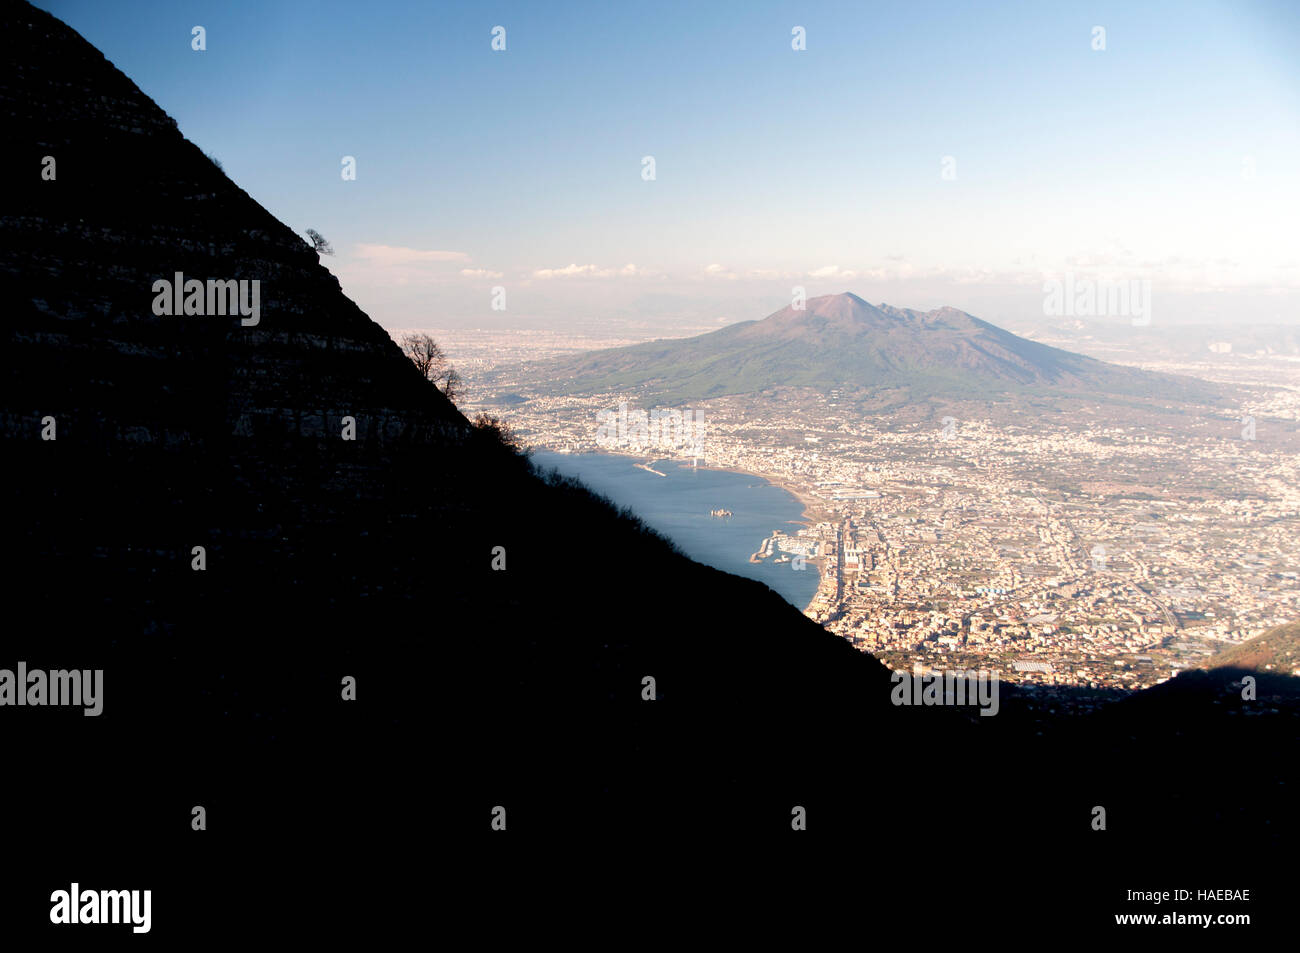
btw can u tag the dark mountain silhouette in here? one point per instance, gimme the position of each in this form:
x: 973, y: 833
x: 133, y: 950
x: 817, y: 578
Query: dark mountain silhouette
x: 372, y: 558
x: 842, y: 341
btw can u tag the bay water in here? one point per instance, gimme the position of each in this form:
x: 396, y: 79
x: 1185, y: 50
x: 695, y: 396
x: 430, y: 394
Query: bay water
x: 677, y: 505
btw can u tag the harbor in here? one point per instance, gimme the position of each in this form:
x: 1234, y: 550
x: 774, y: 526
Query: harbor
x: 715, y: 516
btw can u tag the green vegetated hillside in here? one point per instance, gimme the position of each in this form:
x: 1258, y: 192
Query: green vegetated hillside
x: 1276, y: 651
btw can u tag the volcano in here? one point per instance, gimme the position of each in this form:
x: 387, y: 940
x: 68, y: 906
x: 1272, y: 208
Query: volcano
x: 842, y: 341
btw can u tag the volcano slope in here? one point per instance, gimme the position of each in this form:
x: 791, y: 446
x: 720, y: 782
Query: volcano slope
x: 371, y: 559
x: 842, y: 342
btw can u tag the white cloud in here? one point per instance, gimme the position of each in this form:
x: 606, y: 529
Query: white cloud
x: 832, y: 271
x: 753, y: 274
x: 591, y: 271
x: 569, y: 271
x: 397, y: 255
x: 395, y: 266
x: 480, y: 273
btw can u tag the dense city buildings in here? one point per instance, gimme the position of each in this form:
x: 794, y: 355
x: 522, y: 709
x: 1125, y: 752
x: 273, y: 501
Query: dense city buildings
x: 1072, y: 547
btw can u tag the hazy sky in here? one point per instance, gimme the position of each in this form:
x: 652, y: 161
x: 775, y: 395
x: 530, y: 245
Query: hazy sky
x: 1173, y: 155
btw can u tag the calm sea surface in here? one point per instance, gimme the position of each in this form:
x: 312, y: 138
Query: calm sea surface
x: 678, y: 504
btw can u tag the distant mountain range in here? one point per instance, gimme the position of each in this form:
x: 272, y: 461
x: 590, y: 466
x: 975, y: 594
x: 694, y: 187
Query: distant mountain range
x: 842, y: 341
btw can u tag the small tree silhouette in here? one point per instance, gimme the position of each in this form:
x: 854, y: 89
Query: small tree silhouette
x: 430, y: 361
x: 499, y: 431
x: 318, y: 241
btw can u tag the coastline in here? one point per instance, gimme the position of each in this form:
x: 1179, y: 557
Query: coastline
x: 813, y: 512
x: 812, y: 508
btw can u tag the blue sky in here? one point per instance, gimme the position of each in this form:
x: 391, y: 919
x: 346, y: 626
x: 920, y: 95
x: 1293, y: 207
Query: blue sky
x: 1171, y: 155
